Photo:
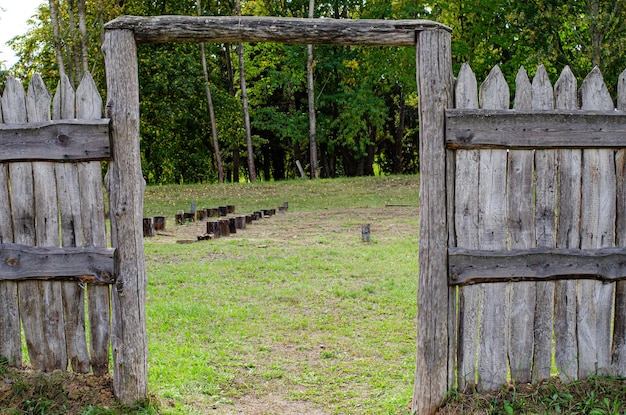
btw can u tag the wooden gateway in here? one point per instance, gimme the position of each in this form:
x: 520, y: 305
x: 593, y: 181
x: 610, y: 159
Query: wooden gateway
x: 522, y: 231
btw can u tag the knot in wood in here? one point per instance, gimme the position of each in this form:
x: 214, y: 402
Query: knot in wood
x: 13, y: 262
x: 63, y: 139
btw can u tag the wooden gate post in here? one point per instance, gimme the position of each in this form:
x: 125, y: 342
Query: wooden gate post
x: 126, y: 188
x: 434, y: 80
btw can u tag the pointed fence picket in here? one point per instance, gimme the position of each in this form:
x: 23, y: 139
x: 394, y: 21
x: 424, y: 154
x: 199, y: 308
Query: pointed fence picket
x: 52, y: 203
x: 539, y: 198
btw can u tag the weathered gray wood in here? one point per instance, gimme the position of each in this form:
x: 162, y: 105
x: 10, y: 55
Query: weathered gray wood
x: 520, y: 209
x: 126, y: 188
x: 72, y: 236
x: 10, y: 342
x: 568, y: 236
x: 23, y: 208
x: 466, y: 228
x: 63, y: 104
x: 89, y: 264
x: 595, y: 299
x: 434, y: 80
x: 89, y: 107
x: 494, y: 327
x: 52, y: 345
x: 618, y: 354
x: 545, y: 233
x: 56, y: 141
x: 536, y: 264
x: 73, y: 292
x: 237, y: 29
x: 535, y: 129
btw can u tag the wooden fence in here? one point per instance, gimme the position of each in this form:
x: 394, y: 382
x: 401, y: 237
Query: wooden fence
x: 53, y: 245
x: 536, y: 230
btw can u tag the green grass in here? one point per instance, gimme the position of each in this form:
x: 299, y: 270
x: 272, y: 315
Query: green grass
x: 302, y: 195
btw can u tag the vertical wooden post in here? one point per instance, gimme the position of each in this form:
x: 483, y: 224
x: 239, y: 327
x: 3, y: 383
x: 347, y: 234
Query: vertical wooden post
x: 434, y: 80
x: 126, y: 189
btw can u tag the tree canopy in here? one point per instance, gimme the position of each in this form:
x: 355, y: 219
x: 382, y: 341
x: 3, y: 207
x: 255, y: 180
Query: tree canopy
x: 365, y: 97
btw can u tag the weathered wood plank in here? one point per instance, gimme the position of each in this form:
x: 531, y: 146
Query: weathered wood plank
x: 72, y: 236
x: 466, y: 229
x: 494, y: 327
x: 434, y: 80
x: 126, y: 188
x: 89, y: 264
x: 10, y: 342
x: 471, y: 266
x: 89, y: 107
x: 521, y: 228
x: 618, y: 354
x: 595, y: 299
x: 237, y: 29
x: 568, y: 236
x: 545, y: 233
x: 52, y: 345
x: 73, y: 292
x: 56, y: 141
x: 23, y: 217
x: 535, y: 129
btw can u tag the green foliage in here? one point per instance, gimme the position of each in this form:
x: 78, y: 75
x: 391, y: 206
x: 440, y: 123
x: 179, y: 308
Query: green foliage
x: 366, y: 108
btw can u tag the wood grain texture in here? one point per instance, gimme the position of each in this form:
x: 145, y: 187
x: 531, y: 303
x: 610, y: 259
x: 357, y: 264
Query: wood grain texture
x: 126, y: 188
x: 72, y: 236
x: 434, y: 79
x: 237, y: 29
x: 466, y: 229
x: 494, y: 327
x: 10, y: 344
x: 90, y: 265
x: 89, y: 107
x: 545, y: 233
x: 595, y: 299
x: 535, y: 129
x: 52, y: 345
x: 536, y: 264
x: 55, y: 141
x: 618, y: 354
x: 568, y: 236
x: 521, y: 227
x: 23, y: 217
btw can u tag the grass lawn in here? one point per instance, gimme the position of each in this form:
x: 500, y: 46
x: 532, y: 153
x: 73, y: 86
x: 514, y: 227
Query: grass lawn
x: 293, y: 315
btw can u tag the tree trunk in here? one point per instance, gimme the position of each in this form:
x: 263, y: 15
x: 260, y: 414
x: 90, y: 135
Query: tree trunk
x: 311, y: 93
x: 246, y: 113
x: 74, y: 53
x: 82, y: 27
x: 207, y: 86
x: 57, y: 37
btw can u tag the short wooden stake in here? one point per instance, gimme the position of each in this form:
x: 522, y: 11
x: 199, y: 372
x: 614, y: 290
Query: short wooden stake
x: 148, y: 227
x: 365, y: 232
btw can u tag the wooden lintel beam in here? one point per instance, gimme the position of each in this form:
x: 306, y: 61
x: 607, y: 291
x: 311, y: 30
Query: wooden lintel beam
x: 467, y: 266
x: 88, y: 264
x: 234, y: 29
x: 62, y: 140
x: 513, y: 129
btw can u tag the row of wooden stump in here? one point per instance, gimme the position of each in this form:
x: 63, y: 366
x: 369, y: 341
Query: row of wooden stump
x: 224, y: 226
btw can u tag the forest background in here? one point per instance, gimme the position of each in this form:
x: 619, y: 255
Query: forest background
x: 365, y: 98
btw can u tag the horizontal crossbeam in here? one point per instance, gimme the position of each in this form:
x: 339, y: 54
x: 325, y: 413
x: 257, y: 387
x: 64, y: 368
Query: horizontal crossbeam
x: 62, y: 140
x: 235, y: 29
x: 467, y: 266
x: 513, y: 129
x: 88, y: 264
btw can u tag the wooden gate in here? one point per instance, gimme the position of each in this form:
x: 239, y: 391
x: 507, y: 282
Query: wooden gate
x: 536, y: 232
x: 54, y: 258
x: 52, y: 228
